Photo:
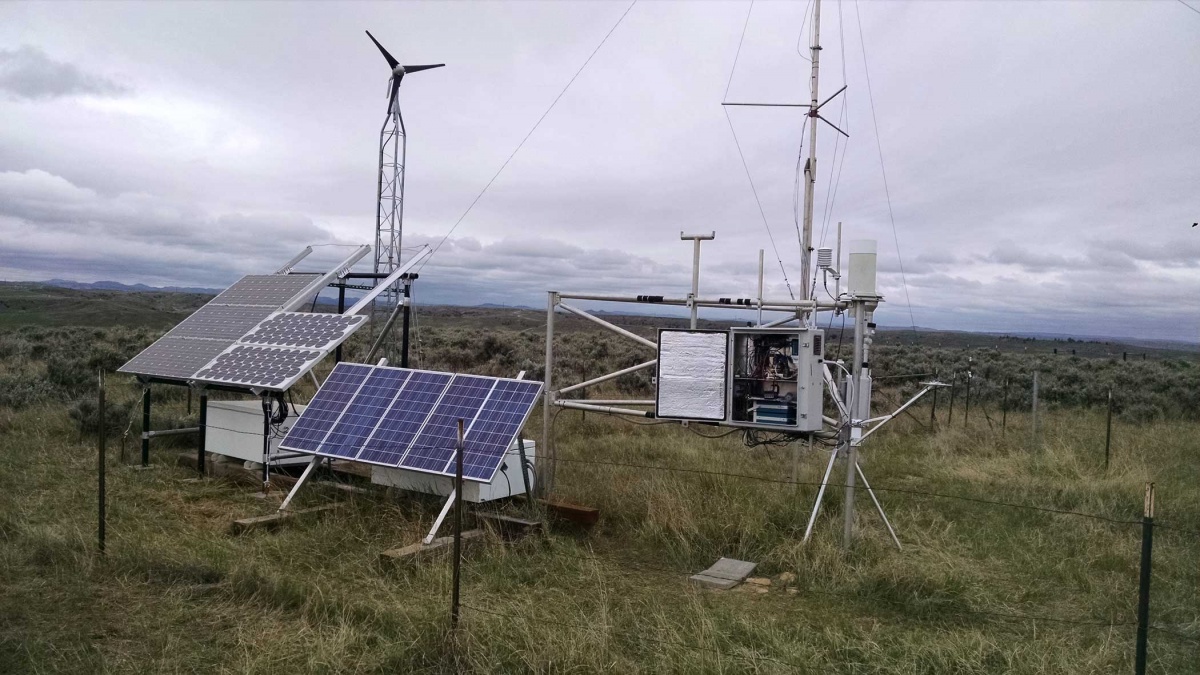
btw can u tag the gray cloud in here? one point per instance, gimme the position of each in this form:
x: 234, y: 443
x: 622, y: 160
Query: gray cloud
x: 29, y: 73
x: 1030, y: 190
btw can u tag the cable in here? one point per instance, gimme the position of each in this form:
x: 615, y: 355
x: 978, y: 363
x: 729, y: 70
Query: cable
x: 882, y: 169
x: 526, y: 138
x: 1188, y: 6
x: 741, y: 154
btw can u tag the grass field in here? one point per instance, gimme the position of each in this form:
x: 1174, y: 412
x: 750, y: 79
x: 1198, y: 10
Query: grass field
x: 175, y: 593
x: 979, y: 587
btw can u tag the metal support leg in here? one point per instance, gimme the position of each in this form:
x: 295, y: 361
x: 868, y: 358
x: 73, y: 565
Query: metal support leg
x: 879, y: 507
x: 201, y: 457
x: 820, y: 494
x: 303, y: 477
x: 146, y: 426
x: 437, y: 524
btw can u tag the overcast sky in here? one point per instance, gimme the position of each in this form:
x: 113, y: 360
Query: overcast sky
x: 1043, y: 159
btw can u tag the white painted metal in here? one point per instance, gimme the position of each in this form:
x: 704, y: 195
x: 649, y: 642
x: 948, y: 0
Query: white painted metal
x: 861, y: 275
x: 609, y: 376
x: 382, y: 286
x: 291, y: 264
x: 321, y: 282
x: 235, y: 429
x: 810, y: 167
x: 303, y: 477
x: 695, y: 294
x: 608, y: 325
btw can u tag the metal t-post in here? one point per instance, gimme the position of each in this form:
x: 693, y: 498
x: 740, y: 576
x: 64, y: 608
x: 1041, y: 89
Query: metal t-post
x: 696, y: 239
x: 1143, y: 607
x: 102, y: 465
x: 458, y: 491
x: 1035, y: 410
x: 1108, y: 430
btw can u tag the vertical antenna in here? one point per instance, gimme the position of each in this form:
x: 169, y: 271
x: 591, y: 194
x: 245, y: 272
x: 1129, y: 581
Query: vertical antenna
x: 810, y: 167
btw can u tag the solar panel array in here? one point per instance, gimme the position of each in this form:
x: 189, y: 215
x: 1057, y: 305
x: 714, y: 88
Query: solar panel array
x: 213, y: 328
x: 403, y: 418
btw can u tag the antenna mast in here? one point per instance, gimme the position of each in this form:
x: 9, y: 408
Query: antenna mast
x: 810, y: 166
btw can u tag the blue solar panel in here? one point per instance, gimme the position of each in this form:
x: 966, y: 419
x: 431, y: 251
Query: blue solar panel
x: 403, y: 420
x: 493, y: 430
x: 434, y: 446
x: 309, y: 431
x: 364, y: 412
x: 398, y: 417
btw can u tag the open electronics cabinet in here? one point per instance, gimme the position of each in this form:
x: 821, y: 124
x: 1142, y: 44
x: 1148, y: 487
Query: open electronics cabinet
x: 762, y: 378
x: 776, y: 378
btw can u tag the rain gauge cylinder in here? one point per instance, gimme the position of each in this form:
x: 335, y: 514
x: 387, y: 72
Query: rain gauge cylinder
x: 862, y: 268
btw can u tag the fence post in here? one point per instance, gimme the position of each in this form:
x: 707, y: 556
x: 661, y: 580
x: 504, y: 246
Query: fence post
x: 1108, y: 430
x: 950, y: 416
x: 967, y: 409
x: 1143, y: 610
x: 201, y: 456
x: 102, y: 433
x: 1004, y: 409
x: 458, y: 484
x: 1035, y: 410
x: 933, y: 409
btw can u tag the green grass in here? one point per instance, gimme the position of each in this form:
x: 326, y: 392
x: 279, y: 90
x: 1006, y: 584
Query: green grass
x: 175, y: 593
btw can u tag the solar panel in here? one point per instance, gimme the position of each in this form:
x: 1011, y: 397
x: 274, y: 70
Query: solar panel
x: 174, y: 358
x: 296, y: 329
x: 433, y: 448
x: 259, y: 367
x: 399, y: 426
x: 309, y: 431
x: 210, y: 330
x: 498, y: 422
x: 398, y: 417
x: 220, y: 322
x: 264, y: 290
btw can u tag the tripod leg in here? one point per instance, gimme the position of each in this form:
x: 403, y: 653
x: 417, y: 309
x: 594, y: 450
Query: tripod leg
x: 878, y: 506
x: 820, y: 495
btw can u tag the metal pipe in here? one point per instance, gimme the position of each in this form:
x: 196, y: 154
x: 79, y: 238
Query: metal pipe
x: 544, y: 470
x: 852, y: 456
x: 321, y: 282
x: 424, y: 253
x: 760, y: 286
x: 782, y: 305
x: 173, y: 432
x: 604, y: 378
x: 337, y: 352
x: 387, y: 326
x: 695, y: 294
x: 146, y: 425
x: 603, y: 409
x: 405, y: 324
x: 617, y: 401
x: 289, y: 265
x: 201, y: 448
x: 811, y: 166
x: 812, y: 519
x: 612, y: 327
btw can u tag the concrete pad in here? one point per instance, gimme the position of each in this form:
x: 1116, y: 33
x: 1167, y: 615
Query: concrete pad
x: 724, y: 574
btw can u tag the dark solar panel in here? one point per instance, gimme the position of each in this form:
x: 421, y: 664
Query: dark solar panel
x: 404, y: 418
x: 174, y: 358
x: 296, y: 329
x: 254, y: 367
x: 434, y: 447
x: 370, y: 402
x: 399, y: 426
x: 266, y: 290
x: 498, y: 423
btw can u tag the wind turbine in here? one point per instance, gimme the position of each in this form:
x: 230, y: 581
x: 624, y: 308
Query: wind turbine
x: 393, y: 145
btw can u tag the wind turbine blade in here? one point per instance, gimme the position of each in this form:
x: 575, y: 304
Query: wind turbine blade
x: 413, y: 69
x: 392, y: 97
x: 391, y: 61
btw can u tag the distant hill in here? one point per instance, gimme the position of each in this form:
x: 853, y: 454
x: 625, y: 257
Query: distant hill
x: 124, y: 288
